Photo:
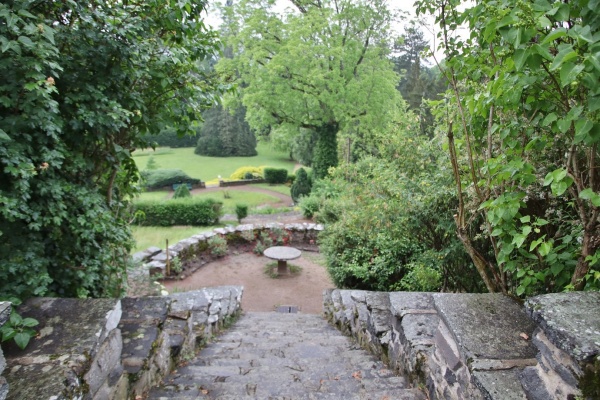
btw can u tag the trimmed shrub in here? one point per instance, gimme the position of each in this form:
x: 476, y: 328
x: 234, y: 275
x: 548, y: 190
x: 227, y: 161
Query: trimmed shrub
x: 241, y: 211
x: 178, y: 212
x: 242, y: 173
x: 182, y: 192
x: 275, y: 175
x: 301, y: 186
x: 159, y: 178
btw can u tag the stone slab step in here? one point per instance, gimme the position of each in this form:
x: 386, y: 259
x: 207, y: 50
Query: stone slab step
x: 284, y: 356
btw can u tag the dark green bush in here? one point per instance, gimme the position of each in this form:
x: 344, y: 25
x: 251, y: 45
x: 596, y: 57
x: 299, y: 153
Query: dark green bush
x: 158, y: 178
x: 241, y: 211
x: 301, y: 186
x: 248, y: 175
x: 178, y: 212
x: 182, y: 192
x: 276, y: 175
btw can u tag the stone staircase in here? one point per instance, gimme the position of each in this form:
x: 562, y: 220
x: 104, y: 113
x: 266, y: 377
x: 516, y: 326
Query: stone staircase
x: 283, y: 356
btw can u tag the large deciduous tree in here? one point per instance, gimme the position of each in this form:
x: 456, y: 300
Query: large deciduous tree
x: 321, y: 66
x: 523, y: 129
x: 82, y: 82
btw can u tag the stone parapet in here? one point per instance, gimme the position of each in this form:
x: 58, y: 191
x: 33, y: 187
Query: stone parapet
x: 110, y: 348
x: 478, y: 346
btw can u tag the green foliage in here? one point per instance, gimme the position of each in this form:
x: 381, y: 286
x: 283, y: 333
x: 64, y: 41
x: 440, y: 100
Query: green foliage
x: 182, y: 192
x: 525, y: 98
x: 168, y: 137
x: 247, y: 173
x: 301, y: 186
x: 217, y: 246
x: 226, y: 135
x: 152, y: 164
x: 325, y: 155
x: 18, y: 328
x: 275, y: 176
x: 209, y: 168
x: 178, y: 212
x: 321, y: 67
x: 159, y: 178
x: 241, y: 211
x: 82, y: 82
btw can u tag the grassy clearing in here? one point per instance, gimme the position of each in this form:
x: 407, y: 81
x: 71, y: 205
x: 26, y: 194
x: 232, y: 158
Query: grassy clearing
x: 147, y: 236
x: 209, y: 168
x: 276, y: 188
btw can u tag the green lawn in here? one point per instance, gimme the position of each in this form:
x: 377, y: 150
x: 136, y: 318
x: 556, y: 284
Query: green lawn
x: 147, y: 236
x: 251, y: 199
x: 276, y: 188
x: 209, y: 168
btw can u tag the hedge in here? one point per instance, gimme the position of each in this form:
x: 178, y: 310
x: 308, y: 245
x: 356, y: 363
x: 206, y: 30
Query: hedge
x: 275, y: 175
x: 158, y: 178
x: 178, y: 212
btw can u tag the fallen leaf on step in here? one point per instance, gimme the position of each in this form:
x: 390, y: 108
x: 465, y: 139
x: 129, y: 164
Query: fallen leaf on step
x: 524, y: 336
x: 357, y: 375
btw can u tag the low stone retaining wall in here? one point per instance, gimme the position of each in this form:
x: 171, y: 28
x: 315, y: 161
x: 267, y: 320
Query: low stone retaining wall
x: 111, y: 348
x: 154, y: 259
x: 240, y: 183
x: 480, y: 346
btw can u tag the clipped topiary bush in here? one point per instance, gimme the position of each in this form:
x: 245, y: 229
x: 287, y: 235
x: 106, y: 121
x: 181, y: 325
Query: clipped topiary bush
x: 241, y: 211
x: 159, y: 178
x: 182, y: 192
x: 301, y: 186
x: 275, y: 175
x: 178, y: 212
x: 242, y: 173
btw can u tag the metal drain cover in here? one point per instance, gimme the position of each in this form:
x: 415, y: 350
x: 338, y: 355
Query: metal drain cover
x: 287, y: 309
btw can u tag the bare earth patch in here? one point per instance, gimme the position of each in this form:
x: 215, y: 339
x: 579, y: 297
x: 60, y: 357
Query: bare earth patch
x: 261, y: 292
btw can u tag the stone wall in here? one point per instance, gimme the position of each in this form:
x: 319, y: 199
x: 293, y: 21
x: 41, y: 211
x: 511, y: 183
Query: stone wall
x: 154, y: 259
x: 240, y: 182
x: 480, y: 346
x: 111, y: 348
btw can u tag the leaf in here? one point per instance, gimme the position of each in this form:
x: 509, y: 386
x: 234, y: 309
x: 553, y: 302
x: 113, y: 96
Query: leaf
x: 4, y: 136
x: 30, y: 322
x: 22, y: 339
x: 569, y: 72
x: 566, y: 54
x: 26, y: 41
x: 550, y: 118
x: 525, y: 219
x: 589, y: 194
x: 520, y: 58
x: 582, y: 128
x: 545, y: 248
x: 557, y: 269
x: 555, y: 34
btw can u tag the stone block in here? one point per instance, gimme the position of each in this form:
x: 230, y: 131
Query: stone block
x: 410, y: 302
x: 5, y: 308
x: 571, y: 321
x: 3, y: 388
x: 72, y: 333
x: 486, y: 325
x: 140, y: 326
x: 107, y: 359
x: 500, y: 384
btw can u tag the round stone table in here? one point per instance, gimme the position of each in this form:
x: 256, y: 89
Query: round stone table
x: 282, y: 254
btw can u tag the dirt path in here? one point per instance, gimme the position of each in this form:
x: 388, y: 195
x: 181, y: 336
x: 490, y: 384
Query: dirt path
x: 262, y: 292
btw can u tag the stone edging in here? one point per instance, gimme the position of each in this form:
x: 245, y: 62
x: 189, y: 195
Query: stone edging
x: 154, y: 258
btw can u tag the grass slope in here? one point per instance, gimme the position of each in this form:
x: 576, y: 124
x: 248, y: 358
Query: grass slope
x: 209, y: 168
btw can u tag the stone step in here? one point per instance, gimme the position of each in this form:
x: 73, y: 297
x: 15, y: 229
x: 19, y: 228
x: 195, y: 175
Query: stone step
x: 283, y: 356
